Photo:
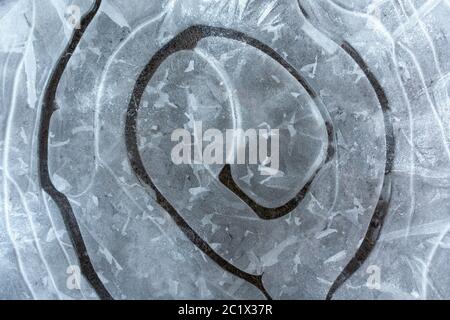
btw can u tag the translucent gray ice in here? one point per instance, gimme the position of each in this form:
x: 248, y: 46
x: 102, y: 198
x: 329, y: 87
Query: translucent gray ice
x: 137, y: 249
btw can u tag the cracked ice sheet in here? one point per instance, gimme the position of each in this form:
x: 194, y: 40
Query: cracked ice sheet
x: 114, y: 208
x: 136, y: 249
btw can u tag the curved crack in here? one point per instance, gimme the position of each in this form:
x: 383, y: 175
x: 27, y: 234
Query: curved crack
x: 49, y: 106
x: 266, y: 213
x: 188, y: 40
x: 382, y: 207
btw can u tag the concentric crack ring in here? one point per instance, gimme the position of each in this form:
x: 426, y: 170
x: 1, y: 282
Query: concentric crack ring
x: 184, y: 41
x: 187, y: 40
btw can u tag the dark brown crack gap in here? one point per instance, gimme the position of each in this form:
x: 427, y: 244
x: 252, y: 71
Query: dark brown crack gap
x: 376, y: 223
x: 48, y: 107
x: 373, y: 232
x: 266, y: 213
x: 188, y: 40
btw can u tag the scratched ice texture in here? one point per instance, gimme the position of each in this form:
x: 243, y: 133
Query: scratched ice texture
x: 137, y: 249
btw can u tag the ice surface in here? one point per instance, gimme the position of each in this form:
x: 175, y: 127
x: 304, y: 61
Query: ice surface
x: 370, y: 129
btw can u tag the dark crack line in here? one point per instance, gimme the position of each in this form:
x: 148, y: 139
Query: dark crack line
x: 48, y: 107
x: 376, y: 223
x: 188, y: 40
x: 383, y: 100
x: 225, y: 175
x: 266, y: 213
